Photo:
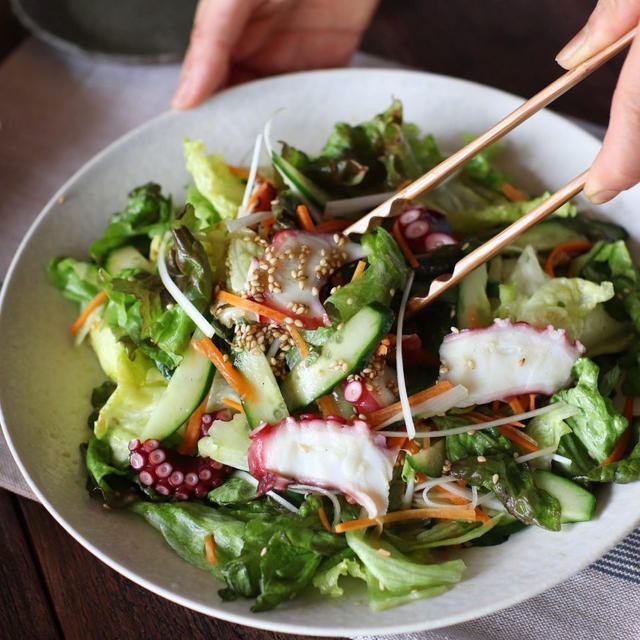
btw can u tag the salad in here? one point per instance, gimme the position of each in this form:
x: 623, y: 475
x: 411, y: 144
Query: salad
x: 273, y: 410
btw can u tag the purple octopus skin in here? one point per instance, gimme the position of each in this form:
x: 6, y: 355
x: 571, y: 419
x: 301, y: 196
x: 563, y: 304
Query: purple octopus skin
x: 173, y: 474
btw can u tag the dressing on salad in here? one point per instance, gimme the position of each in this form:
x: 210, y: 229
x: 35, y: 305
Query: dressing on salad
x: 273, y: 413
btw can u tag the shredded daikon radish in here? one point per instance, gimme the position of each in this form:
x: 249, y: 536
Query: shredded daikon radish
x: 335, y: 208
x: 307, y: 488
x: 402, y: 385
x: 285, y: 178
x: 440, y: 482
x: 247, y: 220
x: 536, y: 454
x: 409, y: 491
x: 272, y: 494
x: 437, y: 405
x: 253, y: 170
x: 182, y: 300
x: 476, y: 426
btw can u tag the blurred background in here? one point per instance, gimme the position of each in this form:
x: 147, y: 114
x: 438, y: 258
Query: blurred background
x: 508, y: 44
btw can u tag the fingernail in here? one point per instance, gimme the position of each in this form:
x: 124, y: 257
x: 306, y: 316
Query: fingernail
x: 572, y: 48
x: 600, y: 197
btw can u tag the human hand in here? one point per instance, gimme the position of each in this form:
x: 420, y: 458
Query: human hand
x: 617, y: 165
x: 236, y: 40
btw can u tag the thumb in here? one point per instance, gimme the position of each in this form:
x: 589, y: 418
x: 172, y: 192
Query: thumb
x: 609, y: 21
x: 217, y: 26
x: 617, y: 166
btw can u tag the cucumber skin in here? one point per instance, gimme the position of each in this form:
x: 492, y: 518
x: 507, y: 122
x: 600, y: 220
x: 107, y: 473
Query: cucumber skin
x: 161, y: 434
x: 265, y: 387
x: 429, y: 461
x: 292, y: 392
x: 566, y: 491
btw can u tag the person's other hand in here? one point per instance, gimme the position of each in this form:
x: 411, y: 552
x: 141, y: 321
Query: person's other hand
x: 617, y: 165
x: 235, y: 40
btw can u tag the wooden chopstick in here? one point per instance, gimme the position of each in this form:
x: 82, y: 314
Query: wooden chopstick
x: 487, y: 250
x: 448, y: 166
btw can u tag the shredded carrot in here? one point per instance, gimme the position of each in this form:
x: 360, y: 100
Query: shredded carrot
x: 478, y: 418
x: 481, y: 515
x: 302, y: 346
x: 232, y: 404
x: 508, y: 190
x: 402, y: 243
x: 515, y: 405
x: 265, y: 226
x: 333, y: 225
x: 327, y: 406
x: 412, y: 447
x: 620, y: 447
x: 302, y: 213
x: 445, y: 513
x: 256, y: 307
x: 192, y: 432
x: 358, y: 270
x: 236, y: 380
x: 495, y: 406
x: 82, y: 318
x: 451, y: 497
x: 517, y: 437
x: 322, y: 514
x: 261, y: 198
x: 392, y: 443
x: 579, y: 246
x: 380, y: 415
x: 210, y: 549
x: 532, y: 401
x: 240, y: 172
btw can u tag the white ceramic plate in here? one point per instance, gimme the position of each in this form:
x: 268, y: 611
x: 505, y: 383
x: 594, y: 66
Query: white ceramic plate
x: 45, y: 382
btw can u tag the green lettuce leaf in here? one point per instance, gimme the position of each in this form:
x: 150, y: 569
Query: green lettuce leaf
x: 386, y: 273
x: 530, y: 295
x: 140, y: 312
x: 204, y: 213
x: 612, y: 262
x: 235, y: 490
x: 473, y: 443
x: 77, y: 280
x: 332, y: 569
x: 624, y: 470
x: 105, y: 480
x: 471, y: 208
x: 214, y: 181
x: 243, y: 247
x: 452, y: 532
x: 513, y: 485
x: 373, y: 156
x: 147, y: 214
x: 595, y: 424
x: 394, y: 579
x: 547, y: 430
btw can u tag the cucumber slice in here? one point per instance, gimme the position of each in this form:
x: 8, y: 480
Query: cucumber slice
x: 300, y: 183
x: 126, y: 258
x: 474, y: 309
x: 188, y: 386
x: 430, y: 460
x: 577, y: 503
x: 268, y: 404
x: 346, y: 352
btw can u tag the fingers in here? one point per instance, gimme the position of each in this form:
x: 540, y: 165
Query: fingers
x: 617, y: 166
x: 609, y: 20
x: 217, y: 26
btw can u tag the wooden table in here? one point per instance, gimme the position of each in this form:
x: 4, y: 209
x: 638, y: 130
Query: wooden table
x: 44, y: 574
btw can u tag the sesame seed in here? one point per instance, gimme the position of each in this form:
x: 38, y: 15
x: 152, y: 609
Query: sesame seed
x: 455, y: 330
x: 521, y: 362
x: 481, y: 459
x: 349, y: 300
x: 471, y: 364
x: 298, y: 323
x: 494, y: 478
x: 383, y: 552
x: 263, y: 552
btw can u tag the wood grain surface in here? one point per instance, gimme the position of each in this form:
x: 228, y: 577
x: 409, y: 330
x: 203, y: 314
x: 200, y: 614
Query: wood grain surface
x: 54, y: 588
